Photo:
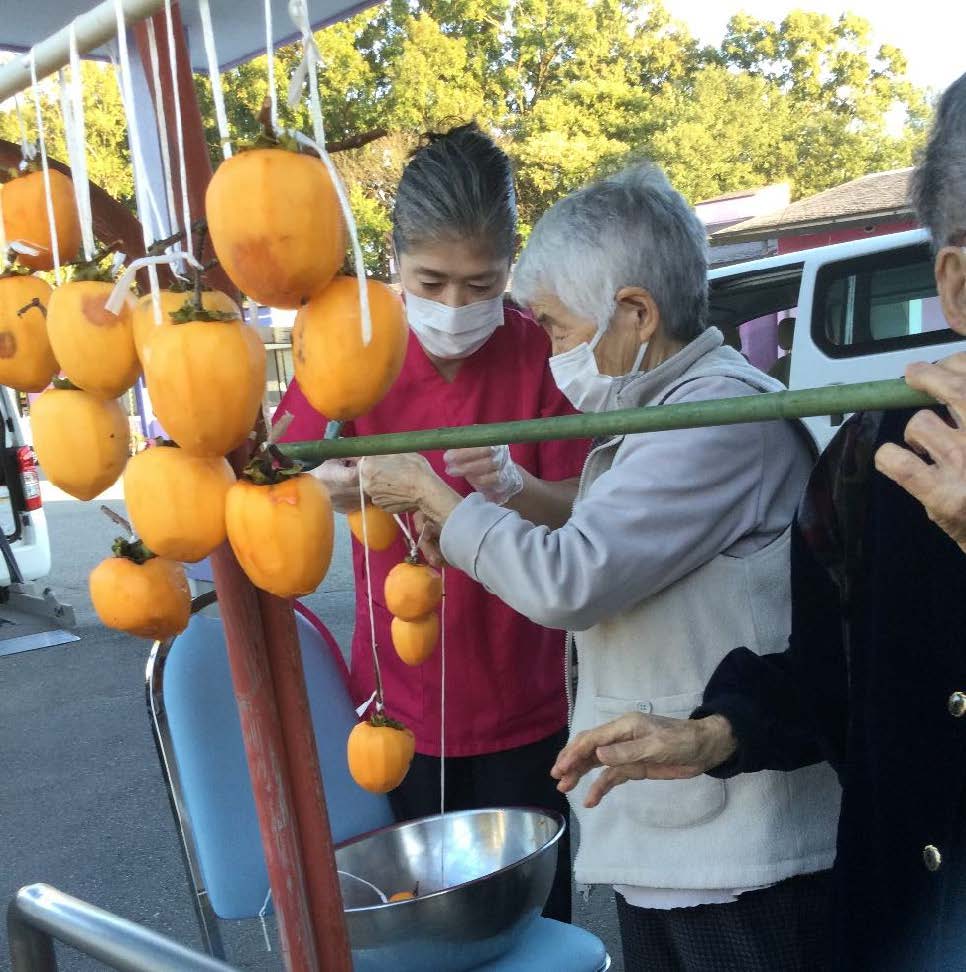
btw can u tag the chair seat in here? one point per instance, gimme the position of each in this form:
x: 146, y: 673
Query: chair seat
x: 552, y: 945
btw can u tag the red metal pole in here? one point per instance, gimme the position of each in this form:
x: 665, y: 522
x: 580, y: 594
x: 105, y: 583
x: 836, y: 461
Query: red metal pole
x: 267, y: 758
x: 308, y: 795
x: 262, y: 637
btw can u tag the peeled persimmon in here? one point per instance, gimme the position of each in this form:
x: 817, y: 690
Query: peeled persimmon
x: 380, y: 752
x: 412, y: 590
x: 380, y: 527
x: 27, y: 362
x: 415, y: 641
x: 25, y: 217
x: 341, y: 377
x: 144, y: 317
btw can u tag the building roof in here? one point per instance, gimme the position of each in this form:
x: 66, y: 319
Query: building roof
x: 868, y: 199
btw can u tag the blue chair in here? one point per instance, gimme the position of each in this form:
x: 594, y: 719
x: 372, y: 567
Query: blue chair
x: 198, y: 735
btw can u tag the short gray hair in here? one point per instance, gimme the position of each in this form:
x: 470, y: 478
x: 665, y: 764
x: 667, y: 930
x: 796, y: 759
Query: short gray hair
x: 630, y: 230
x: 939, y: 183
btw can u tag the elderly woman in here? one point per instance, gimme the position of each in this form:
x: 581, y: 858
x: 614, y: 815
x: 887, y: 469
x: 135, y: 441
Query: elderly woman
x: 677, y: 548
x: 874, y: 676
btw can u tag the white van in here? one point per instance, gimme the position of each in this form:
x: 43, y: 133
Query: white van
x: 849, y: 312
x: 25, y: 548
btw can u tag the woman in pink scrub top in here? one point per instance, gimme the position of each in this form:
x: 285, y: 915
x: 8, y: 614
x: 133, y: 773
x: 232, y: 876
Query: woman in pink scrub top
x: 471, y: 359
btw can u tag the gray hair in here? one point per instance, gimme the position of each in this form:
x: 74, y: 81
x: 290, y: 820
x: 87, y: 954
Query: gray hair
x: 939, y: 183
x: 630, y: 230
x: 459, y: 185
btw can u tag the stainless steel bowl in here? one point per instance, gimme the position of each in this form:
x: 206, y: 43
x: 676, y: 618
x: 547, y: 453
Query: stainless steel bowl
x: 481, y: 877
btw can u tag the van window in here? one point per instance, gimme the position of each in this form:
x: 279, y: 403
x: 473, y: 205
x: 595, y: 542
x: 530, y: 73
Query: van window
x: 878, y: 302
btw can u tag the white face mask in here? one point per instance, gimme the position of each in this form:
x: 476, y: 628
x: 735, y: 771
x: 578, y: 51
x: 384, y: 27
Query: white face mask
x: 577, y: 376
x: 453, y: 332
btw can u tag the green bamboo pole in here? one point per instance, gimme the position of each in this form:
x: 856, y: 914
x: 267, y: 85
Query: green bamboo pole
x: 831, y: 400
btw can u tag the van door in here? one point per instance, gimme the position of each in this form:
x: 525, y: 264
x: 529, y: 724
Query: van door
x: 869, y: 317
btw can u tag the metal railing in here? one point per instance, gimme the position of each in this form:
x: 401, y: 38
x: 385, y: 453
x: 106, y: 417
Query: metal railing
x: 39, y: 915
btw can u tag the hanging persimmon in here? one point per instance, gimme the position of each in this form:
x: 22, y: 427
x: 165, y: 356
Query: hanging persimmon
x: 82, y: 441
x: 275, y: 222
x: 25, y: 219
x: 27, y: 362
x: 141, y: 594
x: 280, y: 526
x: 176, y: 501
x: 94, y: 347
x: 380, y: 527
x: 412, y: 590
x: 340, y: 376
x: 380, y: 752
x: 206, y: 377
x: 144, y: 320
x: 415, y: 641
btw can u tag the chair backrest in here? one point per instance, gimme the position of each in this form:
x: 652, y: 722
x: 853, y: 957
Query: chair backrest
x: 199, y: 736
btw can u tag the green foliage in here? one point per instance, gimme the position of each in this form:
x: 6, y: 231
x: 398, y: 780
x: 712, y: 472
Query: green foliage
x: 571, y: 89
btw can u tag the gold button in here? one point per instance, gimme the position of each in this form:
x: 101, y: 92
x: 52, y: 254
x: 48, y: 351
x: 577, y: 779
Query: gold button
x: 957, y: 704
x: 931, y: 857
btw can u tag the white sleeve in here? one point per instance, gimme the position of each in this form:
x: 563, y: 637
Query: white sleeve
x: 671, y: 502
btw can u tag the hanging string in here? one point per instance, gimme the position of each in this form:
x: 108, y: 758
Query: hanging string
x: 51, y: 219
x: 179, y: 130
x: 122, y: 286
x: 270, y: 61
x: 162, y: 126
x: 77, y: 144
x: 261, y: 917
x: 442, y: 731
x: 380, y: 700
x: 27, y: 149
x: 214, y: 73
x: 142, y: 190
x: 309, y: 68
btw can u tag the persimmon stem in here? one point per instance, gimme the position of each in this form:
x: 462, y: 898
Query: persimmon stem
x: 34, y: 303
x: 118, y: 519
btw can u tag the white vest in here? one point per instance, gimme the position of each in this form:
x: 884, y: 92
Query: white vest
x: 748, y: 831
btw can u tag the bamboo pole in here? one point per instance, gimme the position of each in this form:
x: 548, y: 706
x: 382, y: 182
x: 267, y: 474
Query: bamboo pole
x: 831, y: 400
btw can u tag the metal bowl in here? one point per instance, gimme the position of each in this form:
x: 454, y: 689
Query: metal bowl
x: 481, y: 876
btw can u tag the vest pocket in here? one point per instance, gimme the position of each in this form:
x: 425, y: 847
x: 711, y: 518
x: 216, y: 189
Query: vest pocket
x: 664, y: 804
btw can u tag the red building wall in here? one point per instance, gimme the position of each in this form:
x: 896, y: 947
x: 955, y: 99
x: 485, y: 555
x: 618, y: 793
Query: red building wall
x: 792, y: 244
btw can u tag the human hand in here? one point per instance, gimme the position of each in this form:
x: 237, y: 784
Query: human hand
x: 341, y: 478
x: 428, y: 533
x: 490, y: 470
x: 403, y: 483
x: 940, y: 485
x: 643, y: 747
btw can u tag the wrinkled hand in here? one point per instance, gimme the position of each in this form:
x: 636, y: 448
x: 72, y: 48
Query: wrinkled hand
x: 396, y: 483
x: 490, y: 470
x: 642, y: 747
x: 428, y: 532
x: 941, y: 486
x: 341, y: 478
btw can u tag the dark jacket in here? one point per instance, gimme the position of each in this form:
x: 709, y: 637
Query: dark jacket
x: 875, y: 697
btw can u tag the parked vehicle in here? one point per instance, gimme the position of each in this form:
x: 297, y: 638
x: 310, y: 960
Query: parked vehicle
x: 850, y: 312
x: 26, y: 550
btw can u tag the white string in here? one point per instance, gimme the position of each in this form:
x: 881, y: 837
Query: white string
x: 309, y: 67
x: 122, y: 285
x: 77, y: 152
x: 162, y: 126
x: 179, y: 130
x: 214, y: 72
x: 365, y: 319
x: 368, y: 884
x: 442, y: 730
x: 51, y: 219
x: 27, y: 149
x: 270, y: 61
x: 372, y: 615
x: 144, y: 198
x: 261, y: 918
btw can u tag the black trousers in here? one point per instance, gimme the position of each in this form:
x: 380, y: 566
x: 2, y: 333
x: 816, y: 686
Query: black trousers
x: 784, y: 928
x: 512, y: 778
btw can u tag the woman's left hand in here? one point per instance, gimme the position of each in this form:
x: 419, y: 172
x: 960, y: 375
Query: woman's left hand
x: 400, y: 484
x: 939, y: 483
